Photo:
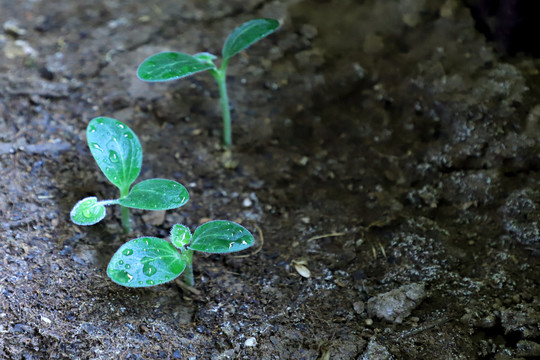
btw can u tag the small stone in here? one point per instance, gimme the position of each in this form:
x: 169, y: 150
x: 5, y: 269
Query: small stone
x: 247, y: 202
x: 12, y: 27
x: 359, y: 307
x: 250, y: 342
x: 397, y: 304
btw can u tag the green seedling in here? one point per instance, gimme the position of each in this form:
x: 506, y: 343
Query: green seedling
x: 149, y: 261
x: 167, y: 66
x: 118, y: 153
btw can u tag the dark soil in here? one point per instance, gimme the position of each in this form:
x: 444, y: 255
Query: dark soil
x: 385, y: 146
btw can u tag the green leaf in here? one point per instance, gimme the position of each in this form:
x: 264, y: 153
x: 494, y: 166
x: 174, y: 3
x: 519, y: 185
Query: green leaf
x: 117, y: 150
x: 180, y: 236
x: 221, y: 236
x: 87, y: 212
x: 156, y: 194
x: 146, y: 261
x: 170, y: 66
x: 247, y: 34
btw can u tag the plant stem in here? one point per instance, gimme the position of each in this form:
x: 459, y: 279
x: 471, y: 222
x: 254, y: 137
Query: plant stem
x: 221, y: 78
x: 188, y: 272
x: 125, y: 211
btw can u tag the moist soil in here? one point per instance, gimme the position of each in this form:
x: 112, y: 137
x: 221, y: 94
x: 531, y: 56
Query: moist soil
x: 385, y: 157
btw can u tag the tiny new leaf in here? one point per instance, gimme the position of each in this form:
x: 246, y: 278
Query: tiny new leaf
x: 156, y: 194
x: 87, y: 211
x: 247, y: 34
x: 180, y: 236
x: 221, y: 236
x: 146, y: 261
x: 116, y: 149
x: 170, y: 66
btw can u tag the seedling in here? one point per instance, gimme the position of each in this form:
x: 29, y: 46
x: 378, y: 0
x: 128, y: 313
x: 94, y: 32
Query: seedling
x: 167, y: 66
x: 118, y: 153
x: 149, y: 261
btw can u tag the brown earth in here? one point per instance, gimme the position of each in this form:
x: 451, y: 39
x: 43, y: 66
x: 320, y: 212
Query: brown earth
x: 383, y: 145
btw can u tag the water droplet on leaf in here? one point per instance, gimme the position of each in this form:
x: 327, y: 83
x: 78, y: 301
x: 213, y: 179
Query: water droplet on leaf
x: 150, y: 282
x: 127, y: 266
x: 122, y: 276
x: 113, y: 156
x: 127, y: 252
x: 96, y: 146
x: 149, y: 270
x: 121, y: 262
x: 120, y: 125
x: 128, y: 135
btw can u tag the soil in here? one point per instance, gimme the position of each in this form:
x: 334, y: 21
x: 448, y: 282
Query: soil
x: 386, y: 157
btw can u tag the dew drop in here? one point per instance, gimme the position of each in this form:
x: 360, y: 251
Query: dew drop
x: 121, y: 276
x: 150, y: 282
x: 100, y: 121
x: 149, y: 270
x: 128, y: 135
x: 92, y: 129
x: 113, y: 156
x: 87, y: 213
x: 120, y: 125
x: 127, y: 252
x: 140, y: 282
x: 128, y: 266
x: 121, y: 262
x: 96, y: 146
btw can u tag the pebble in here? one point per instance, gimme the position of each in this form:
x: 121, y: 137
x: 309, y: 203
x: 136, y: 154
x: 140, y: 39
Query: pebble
x: 397, y: 304
x: 247, y: 202
x: 250, y: 342
x: 12, y: 27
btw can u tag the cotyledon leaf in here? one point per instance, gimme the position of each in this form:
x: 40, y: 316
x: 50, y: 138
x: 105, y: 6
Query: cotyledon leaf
x: 247, y: 34
x: 170, y: 66
x: 146, y: 261
x: 87, y: 212
x: 221, y: 236
x: 156, y: 194
x: 116, y: 149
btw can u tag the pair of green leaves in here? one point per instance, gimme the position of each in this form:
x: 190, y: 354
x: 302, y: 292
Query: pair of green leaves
x: 149, y: 261
x: 175, y: 65
x: 118, y: 153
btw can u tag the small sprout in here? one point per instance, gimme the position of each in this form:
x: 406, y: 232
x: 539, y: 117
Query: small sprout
x: 150, y: 261
x: 167, y: 66
x: 118, y: 153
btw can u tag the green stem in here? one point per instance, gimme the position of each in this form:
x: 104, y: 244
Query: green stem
x: 125, y: 211
x: 188, y: 272
x: 221, y: 78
